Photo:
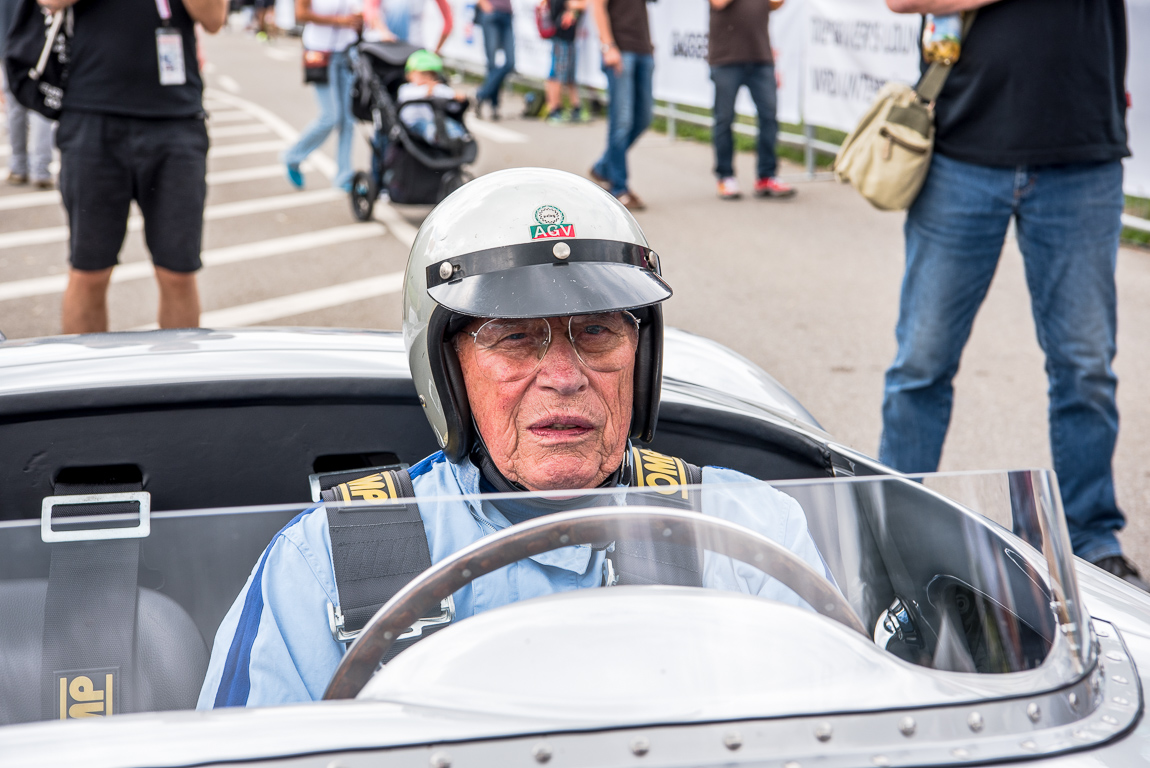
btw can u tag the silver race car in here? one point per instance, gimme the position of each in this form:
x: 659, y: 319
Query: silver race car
x: 143, y: 474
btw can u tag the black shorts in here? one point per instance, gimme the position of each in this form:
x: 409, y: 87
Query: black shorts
x: 106, y: 161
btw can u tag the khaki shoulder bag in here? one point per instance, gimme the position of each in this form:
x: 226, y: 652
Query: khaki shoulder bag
x: 887, y: 156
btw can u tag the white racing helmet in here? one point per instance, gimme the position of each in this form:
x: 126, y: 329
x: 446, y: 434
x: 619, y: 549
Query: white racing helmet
x: 526, y: 242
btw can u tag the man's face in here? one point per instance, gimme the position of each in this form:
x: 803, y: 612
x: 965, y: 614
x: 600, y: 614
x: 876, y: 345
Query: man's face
x: 563, y: 426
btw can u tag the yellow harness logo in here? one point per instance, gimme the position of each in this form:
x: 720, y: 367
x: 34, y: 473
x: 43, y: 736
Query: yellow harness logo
x: 374, y: 488
x: 81, y: 696
x: 666, y: 474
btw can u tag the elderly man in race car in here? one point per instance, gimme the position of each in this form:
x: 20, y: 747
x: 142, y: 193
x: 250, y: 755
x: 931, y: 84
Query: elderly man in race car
x: 534, y: 333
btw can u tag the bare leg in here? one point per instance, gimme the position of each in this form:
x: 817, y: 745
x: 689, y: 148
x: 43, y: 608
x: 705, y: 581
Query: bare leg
x: 85, y: 308
x: 554, y: 99
x: 179, y: 299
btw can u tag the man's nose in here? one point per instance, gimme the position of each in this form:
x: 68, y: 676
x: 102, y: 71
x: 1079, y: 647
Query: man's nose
x: 561, y: 368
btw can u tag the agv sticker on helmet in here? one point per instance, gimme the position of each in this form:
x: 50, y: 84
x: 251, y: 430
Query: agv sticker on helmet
x: 551, y: 223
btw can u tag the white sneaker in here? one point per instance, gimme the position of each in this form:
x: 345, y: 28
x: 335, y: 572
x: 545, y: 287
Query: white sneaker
x: 729, y: 188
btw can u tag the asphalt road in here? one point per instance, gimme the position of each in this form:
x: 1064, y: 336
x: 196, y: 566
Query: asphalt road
x: 806, y: 288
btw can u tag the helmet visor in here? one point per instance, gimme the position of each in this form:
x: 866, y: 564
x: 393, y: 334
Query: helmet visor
x: 553, y: 290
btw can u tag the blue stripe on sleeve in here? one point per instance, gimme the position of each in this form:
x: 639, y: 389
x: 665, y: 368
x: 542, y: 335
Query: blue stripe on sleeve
x: 234, y: 681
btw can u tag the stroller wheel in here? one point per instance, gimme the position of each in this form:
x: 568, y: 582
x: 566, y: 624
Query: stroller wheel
x: 363, y: 194
x: 451, y: 181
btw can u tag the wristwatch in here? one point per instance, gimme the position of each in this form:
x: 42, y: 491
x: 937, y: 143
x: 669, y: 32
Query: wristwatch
x: 604, y: 47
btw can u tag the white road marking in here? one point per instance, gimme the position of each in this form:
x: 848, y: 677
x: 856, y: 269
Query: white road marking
x: 215, y: 178
x: 496, y: 133
x: 251, y: 148
x: 29, y: 200
x: 228, y: 83
x: 229, y: 131
x: 211, y: 213
x: 280, y: 54
x: 299, y: 303
x: 322, y: 162
x: 135, y: 270
x: 399, y: 226
x: 228, y: 116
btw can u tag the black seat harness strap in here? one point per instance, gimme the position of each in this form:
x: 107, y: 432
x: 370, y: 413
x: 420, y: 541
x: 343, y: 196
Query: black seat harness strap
x: 89, y: 634
x: 377, y: 550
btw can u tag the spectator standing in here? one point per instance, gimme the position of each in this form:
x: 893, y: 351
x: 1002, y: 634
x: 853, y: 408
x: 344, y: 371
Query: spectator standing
x: 132, y: 128
x: 495, y: 18
x: 1030, y: 125
x: 29, y: 132
x: 331, y: 26
x: 565, y: 15
x: 629, y: 63
x: 739, y: 52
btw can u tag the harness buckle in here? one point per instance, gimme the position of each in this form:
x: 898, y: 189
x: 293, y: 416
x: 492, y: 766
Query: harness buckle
x: 428, y: 624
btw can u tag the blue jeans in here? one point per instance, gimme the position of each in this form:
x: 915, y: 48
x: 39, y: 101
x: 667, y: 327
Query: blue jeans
x: 334, y: 99
x: 760, y: 81
x: 631, y: 100
x: 1068, y: 220
x: 497, y: 34
x: 30, y: 134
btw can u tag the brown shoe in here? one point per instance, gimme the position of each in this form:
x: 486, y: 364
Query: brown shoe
x: 631, y: 201
x: 17, y: 179
x: 44, y: 184
x: 600, y: 180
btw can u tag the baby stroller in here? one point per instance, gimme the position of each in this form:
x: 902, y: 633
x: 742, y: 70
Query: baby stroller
x: 406, y: 165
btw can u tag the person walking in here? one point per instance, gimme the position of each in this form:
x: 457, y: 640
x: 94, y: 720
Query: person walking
x: 1030, y: 126
x: 739, y: 53
x: 498, y: 35
x: 29, y: 132
x: 565, y: 15
x: 132, y: 128
x: 629, y: 63
x: 332, y: 27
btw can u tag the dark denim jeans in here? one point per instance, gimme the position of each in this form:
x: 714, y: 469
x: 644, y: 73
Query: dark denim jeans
x: 1068, y: 220
x: 497, y: 35
x: 760, y: 81
x: 631, y: 100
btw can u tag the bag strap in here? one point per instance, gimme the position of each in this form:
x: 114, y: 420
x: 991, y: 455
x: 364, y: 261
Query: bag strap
x: 932, y: 81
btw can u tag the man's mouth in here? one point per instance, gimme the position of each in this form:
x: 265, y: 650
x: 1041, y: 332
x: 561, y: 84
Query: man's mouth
x: 563, y: 425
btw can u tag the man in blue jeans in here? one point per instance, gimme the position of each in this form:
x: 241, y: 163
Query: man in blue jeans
x: 629, y: 63
x: 1030, y: 125
x: 739, y: 52
x: 497, y: 36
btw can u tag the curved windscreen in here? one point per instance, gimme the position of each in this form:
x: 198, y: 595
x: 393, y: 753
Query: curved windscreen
x: 965, y: 581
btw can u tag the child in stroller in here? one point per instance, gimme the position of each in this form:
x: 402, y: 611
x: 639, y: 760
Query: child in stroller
x: 419, y: 157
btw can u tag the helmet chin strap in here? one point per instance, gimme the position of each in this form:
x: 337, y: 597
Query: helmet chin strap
x: 481, y: 458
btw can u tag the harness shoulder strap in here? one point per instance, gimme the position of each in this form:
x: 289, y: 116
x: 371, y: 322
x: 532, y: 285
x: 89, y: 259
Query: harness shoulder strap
x: 656, y: 562
x: 375, y: 552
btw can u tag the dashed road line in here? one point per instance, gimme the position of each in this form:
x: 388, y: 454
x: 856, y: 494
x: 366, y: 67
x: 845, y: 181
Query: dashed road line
x: 251, y: 148
x: 215, y: 179
x: 230, y: 131
x: 496, y: 133
x: 228, y: 115
x: 399, y: 226
x: 135, y: 270
x: 299, y: 303
x: 211, y: 213
x: 228, y: 83
x: 281, y: 55
x: 281, y: 127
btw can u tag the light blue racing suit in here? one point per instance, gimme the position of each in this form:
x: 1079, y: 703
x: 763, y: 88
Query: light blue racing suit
x: 274, y: 645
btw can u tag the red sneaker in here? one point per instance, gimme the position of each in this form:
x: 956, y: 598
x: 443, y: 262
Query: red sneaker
x: 772, y: 187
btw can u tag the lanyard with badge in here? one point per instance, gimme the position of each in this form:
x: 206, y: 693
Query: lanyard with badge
x: 169, y: 48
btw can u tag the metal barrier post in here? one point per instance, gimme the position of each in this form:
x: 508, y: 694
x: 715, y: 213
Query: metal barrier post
x: 809, y: 149
x: 672, y: 128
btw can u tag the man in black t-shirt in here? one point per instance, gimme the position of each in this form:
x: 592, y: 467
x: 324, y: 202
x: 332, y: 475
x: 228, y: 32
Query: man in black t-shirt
x: 1030, y: 125
x: 132, y: 128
